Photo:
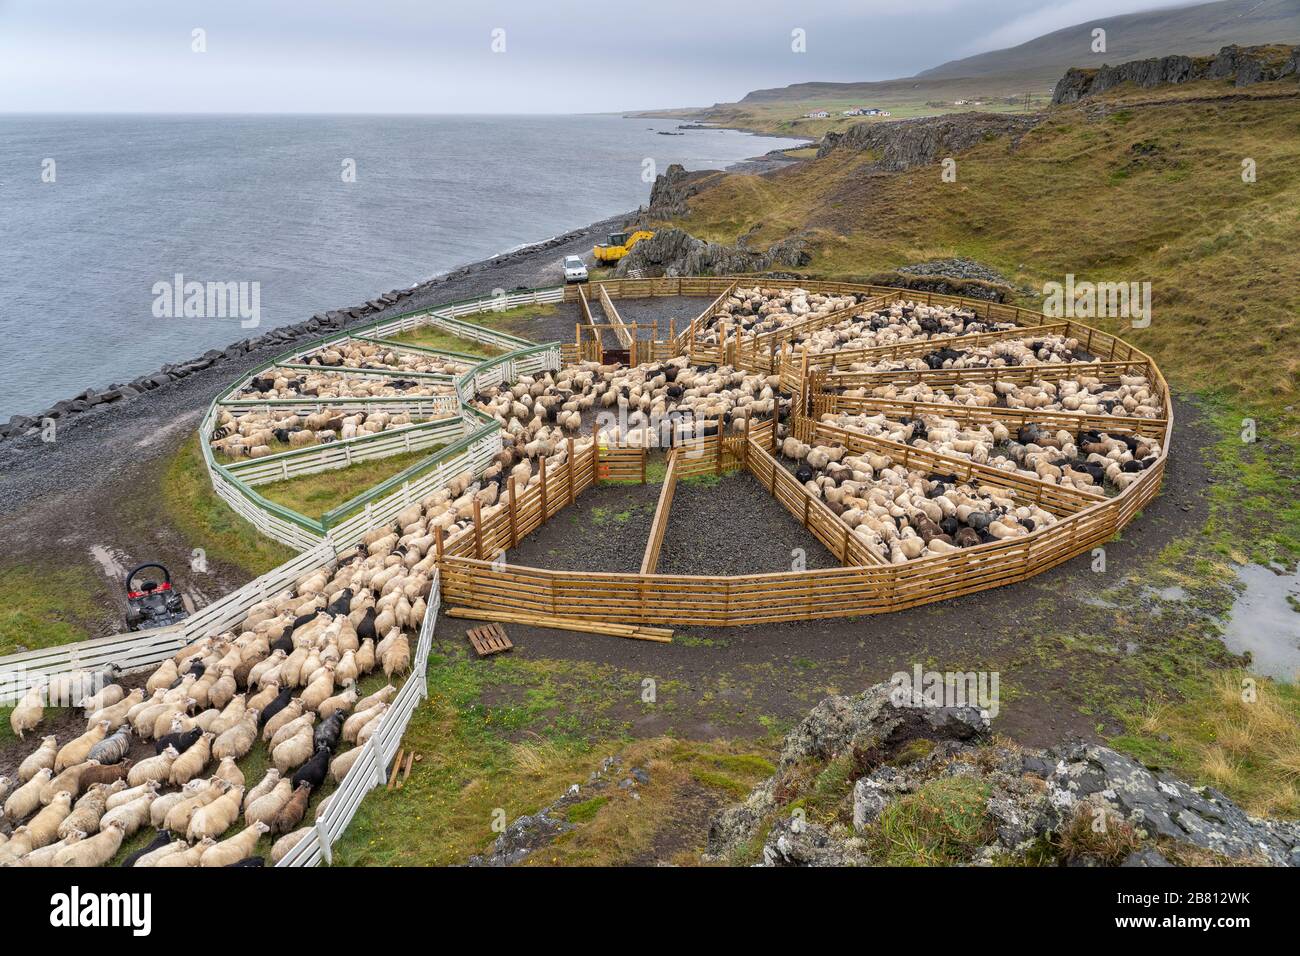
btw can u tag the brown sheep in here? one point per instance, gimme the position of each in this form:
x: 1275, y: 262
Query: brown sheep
x: 94, y: 773
x: 293, y: 811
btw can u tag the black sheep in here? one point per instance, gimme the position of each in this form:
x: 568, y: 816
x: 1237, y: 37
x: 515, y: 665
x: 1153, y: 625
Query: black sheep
x: 367, y: 626
x: 328, y: 731
x: 803, y: 474
x: 161, y: 840
x: 342, y: 605
x: 314, y: 770
x: 303, y: 619
x: 283, y: 643
x: 248, y: 861
x: 274, y: 707
x: 181, y: 741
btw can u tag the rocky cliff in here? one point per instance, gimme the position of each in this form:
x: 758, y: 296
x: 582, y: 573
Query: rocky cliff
x: 1243, y: 65
x: 902, y: 144
x: 675, y: 252
x: 885, y: 778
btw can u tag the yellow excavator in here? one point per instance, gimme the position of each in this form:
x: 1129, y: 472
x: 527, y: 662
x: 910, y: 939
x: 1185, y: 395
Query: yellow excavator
x: 620, y: 244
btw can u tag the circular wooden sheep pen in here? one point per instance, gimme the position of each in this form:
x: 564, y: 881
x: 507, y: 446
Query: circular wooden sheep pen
x: 474, y: 575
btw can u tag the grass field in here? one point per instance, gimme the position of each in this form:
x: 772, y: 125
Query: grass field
x: 313, y: 495
x: 194, y: 509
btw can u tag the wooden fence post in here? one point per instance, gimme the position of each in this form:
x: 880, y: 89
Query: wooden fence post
x: 573, y: 464
x: 478, y: 531
x: 541, y: 470
x: 717, y: 462
x: 514, y: 528
x: 437, y: 544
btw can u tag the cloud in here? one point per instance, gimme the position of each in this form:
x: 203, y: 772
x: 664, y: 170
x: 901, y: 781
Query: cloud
x: 563, y: 56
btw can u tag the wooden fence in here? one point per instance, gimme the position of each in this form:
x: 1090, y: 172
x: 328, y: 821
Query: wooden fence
x: 659, y: 525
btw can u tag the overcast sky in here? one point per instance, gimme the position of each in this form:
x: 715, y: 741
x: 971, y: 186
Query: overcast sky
x: 436, y: 56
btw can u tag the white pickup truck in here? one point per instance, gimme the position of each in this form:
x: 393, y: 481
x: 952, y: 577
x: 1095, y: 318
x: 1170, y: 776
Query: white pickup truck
x: 574, y: 269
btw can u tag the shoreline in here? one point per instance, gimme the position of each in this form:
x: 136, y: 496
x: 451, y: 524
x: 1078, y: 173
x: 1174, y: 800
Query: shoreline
x: 21, y: 427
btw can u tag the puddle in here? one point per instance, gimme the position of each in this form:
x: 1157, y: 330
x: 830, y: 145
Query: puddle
x: 111, y: 561
x: 1265, y: 620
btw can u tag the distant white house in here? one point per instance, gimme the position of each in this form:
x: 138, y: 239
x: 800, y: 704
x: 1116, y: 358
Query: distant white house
x: 865, y: 111
x: 818, y: 114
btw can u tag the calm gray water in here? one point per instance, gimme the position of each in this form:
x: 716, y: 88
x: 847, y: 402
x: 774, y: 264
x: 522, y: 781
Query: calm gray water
x: 136, y: 200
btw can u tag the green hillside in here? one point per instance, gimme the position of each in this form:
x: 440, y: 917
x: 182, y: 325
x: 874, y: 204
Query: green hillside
x: 1148, y: 189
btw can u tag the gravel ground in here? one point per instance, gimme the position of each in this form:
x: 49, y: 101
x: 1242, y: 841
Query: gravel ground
x: 661, y: 309
x: 760, y: 536
x: 604, y: 530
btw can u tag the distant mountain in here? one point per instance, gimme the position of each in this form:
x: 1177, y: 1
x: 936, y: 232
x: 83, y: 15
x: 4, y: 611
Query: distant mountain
x: 1204, y: 28
x: 1040, y: 62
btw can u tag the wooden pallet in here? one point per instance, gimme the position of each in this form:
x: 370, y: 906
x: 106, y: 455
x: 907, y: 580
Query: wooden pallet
x: 489, y: 639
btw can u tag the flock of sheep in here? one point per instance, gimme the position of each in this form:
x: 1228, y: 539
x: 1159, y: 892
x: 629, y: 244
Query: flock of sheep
x: 1086, y: 460
x: 262, y: 432
x: 281, y: 383
x: 753, y: 311
x: 651, y: 405
x: 289, y: 680
x: 901, y: 513
x: 357, y: 354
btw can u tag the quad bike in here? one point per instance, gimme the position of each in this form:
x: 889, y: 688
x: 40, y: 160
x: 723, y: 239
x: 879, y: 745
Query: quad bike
x: 152, y: 602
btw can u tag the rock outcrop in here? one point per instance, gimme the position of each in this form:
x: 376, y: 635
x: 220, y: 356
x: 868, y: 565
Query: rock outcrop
x: 1079, y: 805
x: 675, y: 252
x: 671, y: 189
x: 1243, y: 65
x: 903, y: 144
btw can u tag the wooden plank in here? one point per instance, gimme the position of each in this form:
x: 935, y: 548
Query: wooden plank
x: 659, y: 635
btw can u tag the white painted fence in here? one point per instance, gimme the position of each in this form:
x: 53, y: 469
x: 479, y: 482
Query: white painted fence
x: 371, y: 767
x: 340, y: 454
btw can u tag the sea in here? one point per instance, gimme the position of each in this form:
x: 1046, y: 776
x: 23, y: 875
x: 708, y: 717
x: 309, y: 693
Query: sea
x: 104, y: 220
